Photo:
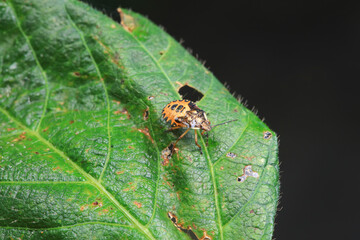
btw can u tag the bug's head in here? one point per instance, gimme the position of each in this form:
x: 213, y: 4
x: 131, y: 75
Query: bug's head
x: 205, y: 125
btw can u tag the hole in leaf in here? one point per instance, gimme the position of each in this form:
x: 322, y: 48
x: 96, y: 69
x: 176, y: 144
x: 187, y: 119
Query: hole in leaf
x: 267, y: 135
x: 146, y: 114
x: 190, y: 93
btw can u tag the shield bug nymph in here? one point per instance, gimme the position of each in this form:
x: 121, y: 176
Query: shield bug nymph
x: 185, y: 114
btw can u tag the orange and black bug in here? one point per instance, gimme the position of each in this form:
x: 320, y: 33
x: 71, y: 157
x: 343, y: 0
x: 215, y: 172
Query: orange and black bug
x: 185, y: 114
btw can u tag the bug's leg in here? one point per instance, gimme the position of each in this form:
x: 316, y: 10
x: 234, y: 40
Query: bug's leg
x: 182, y: 135
x: 206, y: 135
x: 173, y: 128
x: 179, y: 125
x: 196, y: 141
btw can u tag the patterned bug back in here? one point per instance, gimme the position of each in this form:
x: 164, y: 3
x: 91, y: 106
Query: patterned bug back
x: 177, y: 109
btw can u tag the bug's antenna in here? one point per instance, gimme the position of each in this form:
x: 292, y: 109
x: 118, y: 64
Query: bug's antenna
x: 224, y: 123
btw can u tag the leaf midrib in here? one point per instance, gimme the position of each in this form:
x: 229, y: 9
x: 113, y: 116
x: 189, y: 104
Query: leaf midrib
x: 68, y: 226
x: 217, y: 206
x: 87, y: 176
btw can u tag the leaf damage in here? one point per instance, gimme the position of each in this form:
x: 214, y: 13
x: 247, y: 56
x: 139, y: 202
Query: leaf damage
x: 248, y: 172
x: 127, y: 21
x: 187, y: 230
x: 146, y: 132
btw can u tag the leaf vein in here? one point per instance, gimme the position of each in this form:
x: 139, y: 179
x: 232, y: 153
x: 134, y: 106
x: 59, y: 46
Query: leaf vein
x: 154, y: 60
x: 43, y: 182
x: 236, y: 142
x: 256, y: 189
x: 90, y: 178
x: 217, y: 206
x: 43, y: 73
x: 107, y: 100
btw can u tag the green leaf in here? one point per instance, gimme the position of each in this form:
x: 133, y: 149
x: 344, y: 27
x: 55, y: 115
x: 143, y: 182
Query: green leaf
x: 82, y: 137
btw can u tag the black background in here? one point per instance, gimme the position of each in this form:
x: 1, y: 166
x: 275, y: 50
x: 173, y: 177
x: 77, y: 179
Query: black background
x: 298, y: 63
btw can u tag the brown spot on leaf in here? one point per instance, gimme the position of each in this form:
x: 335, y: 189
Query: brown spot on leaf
x: 147, y: 133
x: 113, y: 26
x: 76, y: 74
x: 45, y: 129
x: 37, y: 153
x: 119, y: 172
x: 123, y: 111
x: 251, y: 211
x: 72, y: 121
x: 205, y: 237
x: 137, y: 204
x: 248, y: 158
x: 180, y: 227
x: 20, y: 137
x: 131, y: 147
x: 113, y: 57
x: 97, y: 204
x: 178, y: 195
x: 10, y: 129
x: 117, y: 102
x: 56, y: 168
x: 127, y: 21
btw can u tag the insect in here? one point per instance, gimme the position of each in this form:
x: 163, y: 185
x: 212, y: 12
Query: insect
x: 185, y: 114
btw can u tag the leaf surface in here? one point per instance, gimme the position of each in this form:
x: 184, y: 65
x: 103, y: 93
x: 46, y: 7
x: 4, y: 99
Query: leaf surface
x: 81, y: 134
